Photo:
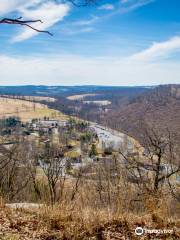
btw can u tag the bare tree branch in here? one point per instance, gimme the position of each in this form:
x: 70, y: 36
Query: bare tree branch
x: 18, y: 21
x: 83, y: 3
x: 27, y: 23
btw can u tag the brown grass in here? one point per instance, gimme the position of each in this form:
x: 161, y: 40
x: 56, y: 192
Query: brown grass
x: 62, y: 222
x: 81, y: 96
x: 26, y: 110
x: 31, y: 98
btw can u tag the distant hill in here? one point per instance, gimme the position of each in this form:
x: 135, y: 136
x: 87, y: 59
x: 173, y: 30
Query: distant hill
x: 160, y: 105
x: 129, y: 105
x: 42, y: 90
x: 115, y: 95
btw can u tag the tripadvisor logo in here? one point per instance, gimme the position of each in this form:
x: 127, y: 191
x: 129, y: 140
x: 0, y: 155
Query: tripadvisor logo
x: 139, y: 231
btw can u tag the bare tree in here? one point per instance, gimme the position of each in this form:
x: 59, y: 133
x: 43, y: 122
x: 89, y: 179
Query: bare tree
x: 52, y: 161
x: 14, y: 175
x: 158, y: 164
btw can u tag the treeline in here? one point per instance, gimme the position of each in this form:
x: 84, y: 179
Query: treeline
x: 9, y: 122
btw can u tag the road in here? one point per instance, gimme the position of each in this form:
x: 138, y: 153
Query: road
x: 109, y: 137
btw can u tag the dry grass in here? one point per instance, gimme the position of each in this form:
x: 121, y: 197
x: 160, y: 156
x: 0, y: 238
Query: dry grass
x: 39, y: 98
x: 31, y: 98
x: 99, y: 103
x: 26, y: 110
x: 81, y: 96
x: 68, y: 222
x: 86, y: 218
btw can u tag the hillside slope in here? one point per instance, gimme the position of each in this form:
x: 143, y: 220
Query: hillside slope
x: 160, y: 106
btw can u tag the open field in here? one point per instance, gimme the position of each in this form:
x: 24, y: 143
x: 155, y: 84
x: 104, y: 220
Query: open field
x: 81, y: 96
x: 32, y: 98
x: 26, y: 110
x: 39, y: 98
x: 99, y: 103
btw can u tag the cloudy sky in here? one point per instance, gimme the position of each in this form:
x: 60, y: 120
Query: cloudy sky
x: 114, y: 42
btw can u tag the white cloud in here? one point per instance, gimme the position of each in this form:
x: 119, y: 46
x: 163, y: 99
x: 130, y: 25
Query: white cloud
x: 76, y: 31
x: 134, y: 1
x: 14, y: 5
x: 74, y: 70
x: 9, y: 6
x: 87, y: 22
x: 106, y: 7
x: 50, y: 13
x: 159, y: 50
x: 131, y: 5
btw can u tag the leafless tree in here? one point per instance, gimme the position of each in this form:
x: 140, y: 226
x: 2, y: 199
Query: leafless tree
x: 159, y: 162
x: 77, y: 183
x: 14, y: 175
x: 52, y: 161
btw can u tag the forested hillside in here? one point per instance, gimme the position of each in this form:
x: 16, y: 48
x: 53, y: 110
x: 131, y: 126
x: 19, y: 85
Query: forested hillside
x: 160, y: 106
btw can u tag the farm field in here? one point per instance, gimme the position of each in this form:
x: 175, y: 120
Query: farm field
x: 99, y: 103
x: 81, y: 96
x: 26, y: 110
x: 31, y: 98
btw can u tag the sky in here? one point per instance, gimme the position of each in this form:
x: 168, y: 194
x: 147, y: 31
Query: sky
x: 112, y: 42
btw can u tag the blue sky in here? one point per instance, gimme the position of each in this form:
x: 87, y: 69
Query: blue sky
x: 115, y: 42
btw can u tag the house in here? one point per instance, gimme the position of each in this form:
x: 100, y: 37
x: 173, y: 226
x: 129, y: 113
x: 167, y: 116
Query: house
x: 48, y: 123
x: 62, y: 123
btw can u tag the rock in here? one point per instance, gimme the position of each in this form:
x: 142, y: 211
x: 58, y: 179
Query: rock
x: 29, y: 206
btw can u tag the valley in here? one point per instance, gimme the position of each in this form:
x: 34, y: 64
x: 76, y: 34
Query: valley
x: 90, y: 120
x: 82, y: 156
